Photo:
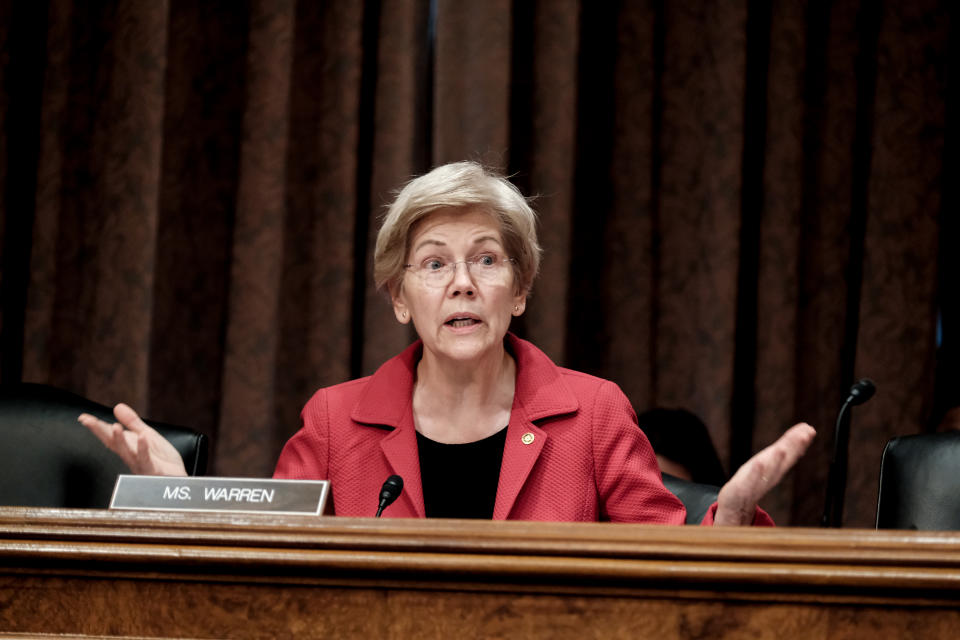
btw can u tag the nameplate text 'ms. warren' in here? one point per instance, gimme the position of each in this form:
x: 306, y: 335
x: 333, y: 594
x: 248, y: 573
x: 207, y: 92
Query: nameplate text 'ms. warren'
x: 243, y: 495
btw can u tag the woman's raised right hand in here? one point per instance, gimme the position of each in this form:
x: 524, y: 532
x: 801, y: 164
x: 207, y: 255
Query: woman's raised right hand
x: 139, y: 445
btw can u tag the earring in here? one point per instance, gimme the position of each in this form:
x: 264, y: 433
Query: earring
x: 403, y: 315
x: 516, y: 309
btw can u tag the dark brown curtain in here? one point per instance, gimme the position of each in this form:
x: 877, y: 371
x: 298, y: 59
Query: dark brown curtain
x: 742, y: 203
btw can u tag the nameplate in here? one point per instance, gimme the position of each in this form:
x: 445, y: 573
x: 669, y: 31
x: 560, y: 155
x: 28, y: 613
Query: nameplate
x: 234, y: 495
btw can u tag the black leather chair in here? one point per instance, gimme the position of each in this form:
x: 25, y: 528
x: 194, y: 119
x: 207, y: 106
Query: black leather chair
x: 696, y: 497
x: 920, y: 483
x: 48, y: 459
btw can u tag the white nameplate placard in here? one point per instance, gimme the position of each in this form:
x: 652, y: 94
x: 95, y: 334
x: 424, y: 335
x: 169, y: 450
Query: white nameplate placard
x: 235, y: 495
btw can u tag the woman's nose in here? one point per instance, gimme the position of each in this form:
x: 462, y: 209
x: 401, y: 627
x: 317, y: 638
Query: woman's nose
x: 462, y: 280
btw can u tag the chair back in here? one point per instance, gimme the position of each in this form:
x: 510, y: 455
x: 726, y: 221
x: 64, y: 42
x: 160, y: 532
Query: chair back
x: 696, y: 497
x: 920, y: 483
x: 48, y: 459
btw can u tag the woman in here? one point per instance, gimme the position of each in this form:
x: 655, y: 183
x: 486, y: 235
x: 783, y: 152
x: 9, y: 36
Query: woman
x: 477, y: 422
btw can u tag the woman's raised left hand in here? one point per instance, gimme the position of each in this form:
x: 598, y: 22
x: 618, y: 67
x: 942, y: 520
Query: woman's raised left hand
x: 738, y: 498
x: 139, y: 445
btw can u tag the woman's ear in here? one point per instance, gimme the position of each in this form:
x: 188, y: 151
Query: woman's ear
x: 519, y: 303
x: 400, y: 309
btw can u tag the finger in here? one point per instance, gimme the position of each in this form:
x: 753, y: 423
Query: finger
x: 144, y: 461
x: 100, y: 428
x: 789, y: 448
x: 122, y: 443
x: 110, y: 434
x: 130, y: 418
x: 799, y: 438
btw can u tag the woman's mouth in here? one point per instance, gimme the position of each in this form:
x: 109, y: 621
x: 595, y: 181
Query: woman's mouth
x: 459, y: 323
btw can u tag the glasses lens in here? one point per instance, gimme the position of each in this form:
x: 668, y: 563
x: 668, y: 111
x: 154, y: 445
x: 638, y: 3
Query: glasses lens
x: 437, y: 277
x: 487, y: 271
x: 482, y: 271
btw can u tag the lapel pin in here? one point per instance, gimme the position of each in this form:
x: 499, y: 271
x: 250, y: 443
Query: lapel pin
x: 527, y: 438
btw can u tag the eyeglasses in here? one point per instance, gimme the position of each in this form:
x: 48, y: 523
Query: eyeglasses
x: 488, y: 268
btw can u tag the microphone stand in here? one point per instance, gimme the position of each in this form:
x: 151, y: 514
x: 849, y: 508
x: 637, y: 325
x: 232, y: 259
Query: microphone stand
x: 860, y: 392
x: 837, y: 480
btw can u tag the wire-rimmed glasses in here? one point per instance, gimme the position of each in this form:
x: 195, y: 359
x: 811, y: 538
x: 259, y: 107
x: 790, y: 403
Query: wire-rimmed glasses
x: 486, y: 268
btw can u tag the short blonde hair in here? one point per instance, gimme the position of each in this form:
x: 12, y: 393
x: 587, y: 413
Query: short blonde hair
x: 458, y: 185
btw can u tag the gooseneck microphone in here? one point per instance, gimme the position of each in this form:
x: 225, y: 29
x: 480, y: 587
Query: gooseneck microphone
x: 860, y: 392
x: 389, y: 492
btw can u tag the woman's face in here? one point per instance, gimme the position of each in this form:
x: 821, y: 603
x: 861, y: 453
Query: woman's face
x: 465, y: 314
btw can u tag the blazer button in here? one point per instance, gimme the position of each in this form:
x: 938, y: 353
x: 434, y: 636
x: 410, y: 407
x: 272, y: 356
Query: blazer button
x: 527, y: 438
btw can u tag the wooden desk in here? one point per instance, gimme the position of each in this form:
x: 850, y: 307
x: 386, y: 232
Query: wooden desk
x: 174, y: 575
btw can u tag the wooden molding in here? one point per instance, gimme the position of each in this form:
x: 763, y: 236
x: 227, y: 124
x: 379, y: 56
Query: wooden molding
x: 886, y: 572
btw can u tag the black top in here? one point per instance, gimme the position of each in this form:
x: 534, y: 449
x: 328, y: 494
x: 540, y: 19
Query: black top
x: 460, y: 480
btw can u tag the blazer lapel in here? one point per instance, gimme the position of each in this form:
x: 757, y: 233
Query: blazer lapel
x: 387, y: 402
x: 540, y: 393
x: 400, y: 449
x: 520, y: 452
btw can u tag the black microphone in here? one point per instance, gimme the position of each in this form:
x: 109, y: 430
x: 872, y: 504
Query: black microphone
x: 389, y: 492
x: 862, y: 390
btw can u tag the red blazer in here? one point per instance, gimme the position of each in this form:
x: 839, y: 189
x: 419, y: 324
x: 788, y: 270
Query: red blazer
x: 573, y: 451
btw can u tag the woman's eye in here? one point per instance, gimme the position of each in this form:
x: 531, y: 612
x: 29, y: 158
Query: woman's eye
x: 432, y: 264
x: 487, y: 260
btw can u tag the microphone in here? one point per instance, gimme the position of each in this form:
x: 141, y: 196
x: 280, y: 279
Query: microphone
x: 861, y: 391
x: 389, y: 492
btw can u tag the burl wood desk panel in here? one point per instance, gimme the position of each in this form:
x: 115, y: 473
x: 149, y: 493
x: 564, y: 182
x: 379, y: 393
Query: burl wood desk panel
x: 141, y: 574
